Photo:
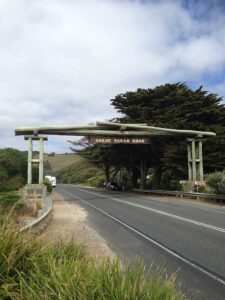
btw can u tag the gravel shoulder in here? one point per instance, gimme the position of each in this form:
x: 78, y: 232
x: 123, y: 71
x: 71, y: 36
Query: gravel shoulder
x: 69, y: 221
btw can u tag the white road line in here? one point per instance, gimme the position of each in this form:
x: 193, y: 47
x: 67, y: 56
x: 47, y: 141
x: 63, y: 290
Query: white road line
x: 212, y: 210
x: 184, y: 202
x: 162, y: 213
x: 190, y: 263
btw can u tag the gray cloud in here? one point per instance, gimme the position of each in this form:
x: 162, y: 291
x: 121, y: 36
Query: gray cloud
x: 62, y: 61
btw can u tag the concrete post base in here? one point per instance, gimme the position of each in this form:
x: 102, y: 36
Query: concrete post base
x: 191, y: 186
x: 34, y: 196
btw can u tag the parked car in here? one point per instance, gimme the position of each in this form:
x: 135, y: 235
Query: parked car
x: 115, y: 186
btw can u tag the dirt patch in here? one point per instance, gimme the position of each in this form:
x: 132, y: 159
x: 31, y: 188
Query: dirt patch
x: 69, y: 220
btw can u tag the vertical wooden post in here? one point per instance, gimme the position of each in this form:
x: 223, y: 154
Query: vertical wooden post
x: 29, y: 165
x: 201, y: 173
x: 41, y: 159
x: 189, y: 161
x: 193, y: 159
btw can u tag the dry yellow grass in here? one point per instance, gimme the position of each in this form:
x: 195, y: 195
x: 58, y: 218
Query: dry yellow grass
x: 60, y: 161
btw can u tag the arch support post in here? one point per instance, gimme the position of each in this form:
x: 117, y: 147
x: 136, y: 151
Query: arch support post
x: 31, y: 160
x: 29, y: 163
x: 41, y: 160
x: 195, y: 159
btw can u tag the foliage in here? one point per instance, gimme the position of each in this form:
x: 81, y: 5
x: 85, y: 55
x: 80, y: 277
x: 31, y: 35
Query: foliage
x: 169, y: 179
x: 170, y: 106
x: 12, y: 184
x: 103, y: 157
x: 13, y: 169
x: 9, y: 198
x: 96, y: 181
x: 13, y: 162
x: 33, y: 269
x: 176, y: 106
x: 216, y: 181
x: 48, y: 184
x: 205, y: 189
x: 20, y: 206
x: 17, y: 250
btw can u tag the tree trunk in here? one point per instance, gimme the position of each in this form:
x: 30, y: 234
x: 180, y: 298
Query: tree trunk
x: 156, y: 177
x: 134, y: 177
x: 143, y: 169
x: 116, y: 171
x: 106, y: 171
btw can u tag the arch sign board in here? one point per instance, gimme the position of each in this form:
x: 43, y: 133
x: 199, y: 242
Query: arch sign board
x: 119, y: 140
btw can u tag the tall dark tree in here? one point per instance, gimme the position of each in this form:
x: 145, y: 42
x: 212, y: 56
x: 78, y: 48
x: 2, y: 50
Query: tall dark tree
x: 176, y: 106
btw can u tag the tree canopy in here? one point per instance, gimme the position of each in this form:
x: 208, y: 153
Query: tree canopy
x: 170, y: 106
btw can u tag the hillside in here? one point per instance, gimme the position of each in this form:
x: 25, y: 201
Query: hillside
x: 81, y: 172
x: 53, y: 163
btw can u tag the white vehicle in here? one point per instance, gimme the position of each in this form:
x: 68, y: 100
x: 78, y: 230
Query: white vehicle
x: 52, y: 179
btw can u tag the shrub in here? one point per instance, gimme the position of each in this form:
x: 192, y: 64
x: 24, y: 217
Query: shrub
x: 48, y: 184
x: 216, y: 181
x: 205, y: 189
x: 20, y: 206
x: 9, y: 198
x: 12, y: 184
x: 17, y: 250
x: 96, y: 181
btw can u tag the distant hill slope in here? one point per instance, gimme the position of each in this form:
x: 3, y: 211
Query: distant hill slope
x: 53, y: 163
x: 81, y: 172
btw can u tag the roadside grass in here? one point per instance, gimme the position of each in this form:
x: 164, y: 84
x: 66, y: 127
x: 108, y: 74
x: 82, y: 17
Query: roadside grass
x: 9, y: 198
x: 11, y: 202
x: 33, y: 269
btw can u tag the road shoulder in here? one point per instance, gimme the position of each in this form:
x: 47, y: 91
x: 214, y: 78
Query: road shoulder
x: 69, y: 221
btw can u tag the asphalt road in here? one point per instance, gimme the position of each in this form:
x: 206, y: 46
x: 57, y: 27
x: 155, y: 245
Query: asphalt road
x: 181, y: 236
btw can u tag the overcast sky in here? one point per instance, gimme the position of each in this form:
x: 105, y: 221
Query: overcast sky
x: 61, y: 61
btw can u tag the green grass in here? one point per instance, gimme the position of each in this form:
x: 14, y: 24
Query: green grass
x: 33, y: 269
x: 9, y: 198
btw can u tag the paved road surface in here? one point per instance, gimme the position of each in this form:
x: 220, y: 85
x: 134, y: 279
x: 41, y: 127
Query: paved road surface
x: 185, y: 237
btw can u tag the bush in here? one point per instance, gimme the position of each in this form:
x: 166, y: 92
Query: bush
x: 205, y: 189
x: 13, y: 184
x: 48, y: 184
x: 96, y: 181
x: 13, y: 163
x: 17, y: 252
x: 20, y: 206
x: 9, y: 199
x: 216, y: 181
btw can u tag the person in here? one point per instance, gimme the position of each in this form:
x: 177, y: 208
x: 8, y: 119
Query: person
x: 108, y: 186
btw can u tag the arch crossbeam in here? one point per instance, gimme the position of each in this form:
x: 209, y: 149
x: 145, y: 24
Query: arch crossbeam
x: 110, y: 129
x: 119, y: 130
